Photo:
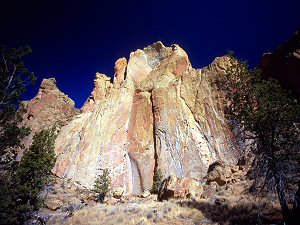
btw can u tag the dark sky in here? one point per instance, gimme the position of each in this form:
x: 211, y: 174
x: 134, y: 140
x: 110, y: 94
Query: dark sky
x: 72, y: 40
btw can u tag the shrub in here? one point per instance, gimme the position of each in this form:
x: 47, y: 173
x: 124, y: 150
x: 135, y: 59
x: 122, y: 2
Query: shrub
x: 102, y: 185
x: 157, y: 180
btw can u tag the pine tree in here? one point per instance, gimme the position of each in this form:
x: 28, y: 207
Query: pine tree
x: 102, y: 185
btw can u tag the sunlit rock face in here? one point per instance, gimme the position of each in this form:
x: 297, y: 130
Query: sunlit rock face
x: 49, y: 108
x: 157, y: 112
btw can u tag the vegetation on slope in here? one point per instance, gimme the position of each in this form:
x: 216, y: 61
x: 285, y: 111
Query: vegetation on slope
x: 102, y: 185
x: 20, y: 192
x: 269, y: 115
x: 21, y: 183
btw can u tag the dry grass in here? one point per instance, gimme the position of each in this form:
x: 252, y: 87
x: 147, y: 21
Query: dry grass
x: 135, y: 213
x: 232, y: 204
x: 244, y: 211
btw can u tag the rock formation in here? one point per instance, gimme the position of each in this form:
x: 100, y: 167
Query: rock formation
x: 220, y: 173
x: 50, y: 107
x: 158, y: 112
x: 173, y: 187
x: 284, y: 64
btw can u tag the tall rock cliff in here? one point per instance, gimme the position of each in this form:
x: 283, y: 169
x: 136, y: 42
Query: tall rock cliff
x: 157, y: 112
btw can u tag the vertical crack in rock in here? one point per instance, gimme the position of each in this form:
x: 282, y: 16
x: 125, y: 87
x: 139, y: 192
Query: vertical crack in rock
x: 154, y: 137
x: 140, y: 137
x: 202, y: 147
x: 189, y: 108
x: 125, y: 72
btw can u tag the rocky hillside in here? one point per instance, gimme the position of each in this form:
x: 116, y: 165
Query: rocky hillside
x: 158, y: 112
x: 227, y: 203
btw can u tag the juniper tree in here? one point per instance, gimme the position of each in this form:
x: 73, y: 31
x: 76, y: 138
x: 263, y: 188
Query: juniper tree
x: 271, y: 117
x: 21, y: 189
x: 157, y: 180
x: 14, y: 78
x: 35, y: 167
x: 102, y: 185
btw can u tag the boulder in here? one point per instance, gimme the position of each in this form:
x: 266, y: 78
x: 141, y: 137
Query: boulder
x: 145, y: 194
x: 214, y: 185
x: 54, y: 204
x: 118, y: 192
x: 91, y: 203
x: 208, y: 191
x: 174, y: 187
x: 110, y: 200
x: 218, y: 172
x: 219, y: 201
x: 234, y: 169
x: 84, y: 194
x: 73, y: 205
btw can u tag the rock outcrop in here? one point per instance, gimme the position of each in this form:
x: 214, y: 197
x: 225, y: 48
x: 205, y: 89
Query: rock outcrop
x: 220, y: 173
x: 118, y: 192
x: 174, y: 187
x: 50, y: 107
x: 145, y: 194
x: 284, y: 64
x: 158, y: 112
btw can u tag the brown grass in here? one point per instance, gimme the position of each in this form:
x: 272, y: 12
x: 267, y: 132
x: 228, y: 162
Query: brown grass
x: 135, y: 213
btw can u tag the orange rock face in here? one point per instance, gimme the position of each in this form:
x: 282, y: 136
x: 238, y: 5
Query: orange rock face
x: 50, y: 107
x: 102, y: 86
x: 158, y: 112
x: 120, y: 71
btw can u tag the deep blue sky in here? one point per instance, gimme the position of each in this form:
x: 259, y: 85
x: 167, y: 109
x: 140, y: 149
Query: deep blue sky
x: 72, y: 40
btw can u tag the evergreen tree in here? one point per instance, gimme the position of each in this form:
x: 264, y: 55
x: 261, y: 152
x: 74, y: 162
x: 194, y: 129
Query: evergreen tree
x: 270, y: 116
x: 20, y: 193
x: 35, y: 167
x: 102, y: 185
x: 157, y: 180
x: 8, y: 201
x: 14, y: 78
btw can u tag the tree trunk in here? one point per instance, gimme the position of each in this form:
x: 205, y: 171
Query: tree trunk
x: 281, y: 195
x: 279, y: 180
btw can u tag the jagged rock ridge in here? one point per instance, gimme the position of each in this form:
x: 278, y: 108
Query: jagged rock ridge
x: 158, y: 112
x: 50, y: 107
